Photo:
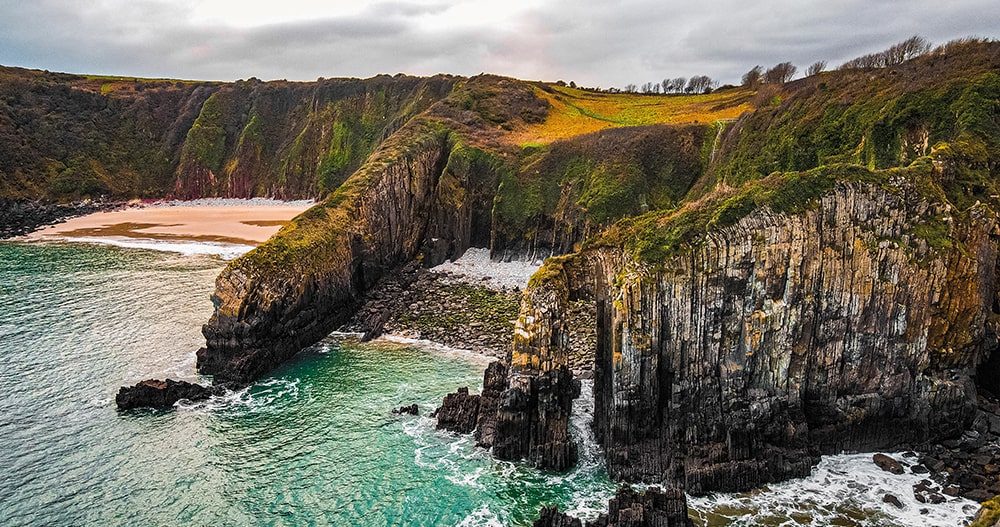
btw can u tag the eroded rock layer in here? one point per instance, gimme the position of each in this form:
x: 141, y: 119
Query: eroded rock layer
x: 283, y: 297
x: 784, y: 337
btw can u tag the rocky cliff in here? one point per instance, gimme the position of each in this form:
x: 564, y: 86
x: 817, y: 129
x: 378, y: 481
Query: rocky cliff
x: 441, y: 183
x: 841, y: 298
x: 67, y: 137
x: 291, y: 292
x: 784, y: 337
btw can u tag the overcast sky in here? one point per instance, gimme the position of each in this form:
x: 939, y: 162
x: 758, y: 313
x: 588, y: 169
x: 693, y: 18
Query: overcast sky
x: 603, y: 44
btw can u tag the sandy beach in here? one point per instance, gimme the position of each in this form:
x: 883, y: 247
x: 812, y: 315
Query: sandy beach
x: 225, y: 223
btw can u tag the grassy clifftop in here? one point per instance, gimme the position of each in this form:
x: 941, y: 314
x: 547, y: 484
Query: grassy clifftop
x: 931, y: 124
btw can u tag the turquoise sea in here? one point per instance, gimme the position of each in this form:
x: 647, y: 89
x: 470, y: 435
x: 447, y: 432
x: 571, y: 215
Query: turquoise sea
x: 314, y: 443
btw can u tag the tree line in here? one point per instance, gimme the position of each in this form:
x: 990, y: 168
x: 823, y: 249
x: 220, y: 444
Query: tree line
x: 696, y: 84
x: 783, y: 72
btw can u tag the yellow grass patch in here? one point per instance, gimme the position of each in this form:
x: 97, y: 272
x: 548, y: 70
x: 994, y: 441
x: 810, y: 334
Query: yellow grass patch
x: 575, y: 112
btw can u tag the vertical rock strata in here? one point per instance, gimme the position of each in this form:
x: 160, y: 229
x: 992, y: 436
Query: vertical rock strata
x: 532, y: 419
x: 782, y: 337
x: 291, y: 292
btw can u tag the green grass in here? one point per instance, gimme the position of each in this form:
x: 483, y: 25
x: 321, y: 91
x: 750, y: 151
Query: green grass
x: 575, y: 112
x: 656, y: 237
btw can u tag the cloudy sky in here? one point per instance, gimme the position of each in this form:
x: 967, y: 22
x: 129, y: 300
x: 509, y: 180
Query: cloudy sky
x: 609, y: 43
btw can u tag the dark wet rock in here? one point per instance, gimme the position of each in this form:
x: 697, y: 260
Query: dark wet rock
x: 411, y: 409
x: 919, y: 469
x: 153, y: 393
x: 551, y: 517
x: 888, y: 464
x: 979, y: 495
x: 933, y: 464
x: 459, y: 412
x: 494, y: 383
x: 19, y: 217
x: 892, y: 500
x: 375, y: 325
x: 652, y: 508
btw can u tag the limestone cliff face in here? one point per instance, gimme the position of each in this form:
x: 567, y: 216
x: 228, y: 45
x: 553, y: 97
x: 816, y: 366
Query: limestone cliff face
x: 784, y: 336
x: 291, y: 292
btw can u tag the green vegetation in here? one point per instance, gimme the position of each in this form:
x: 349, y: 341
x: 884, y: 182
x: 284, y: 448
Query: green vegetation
x: 120, y: 137
x: 206, y: 141
x: 478, y: 305
x: 593, y: 180
x: 655, y: 237
x: 989, y: 514
x: 318, y: 238
x: 882, y: 122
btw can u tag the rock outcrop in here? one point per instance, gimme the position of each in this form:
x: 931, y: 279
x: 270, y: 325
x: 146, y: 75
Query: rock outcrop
x: 532, y: 415
x: 459, y: 412
x: 291, y: 292
x: 738, y: 362
x: 19, y: 217
x: 651, y: 508
x: 153, y: 393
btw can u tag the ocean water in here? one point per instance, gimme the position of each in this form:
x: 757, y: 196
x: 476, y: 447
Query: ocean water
x: 314, y: 443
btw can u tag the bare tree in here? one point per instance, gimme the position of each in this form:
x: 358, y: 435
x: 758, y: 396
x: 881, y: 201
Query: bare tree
x: 699, y: 84
x: 677, y: 85
x: 752, y: 78
x: 910, y: 48
x: 630, y: 88
x: 780, y: 73
x: 816, y: 68
x: 667, y: 85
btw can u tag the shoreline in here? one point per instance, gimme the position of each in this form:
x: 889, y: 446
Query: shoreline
x: 223, y: 221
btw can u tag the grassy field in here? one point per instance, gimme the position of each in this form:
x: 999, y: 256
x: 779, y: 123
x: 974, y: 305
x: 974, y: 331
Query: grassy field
x: 574, y: 112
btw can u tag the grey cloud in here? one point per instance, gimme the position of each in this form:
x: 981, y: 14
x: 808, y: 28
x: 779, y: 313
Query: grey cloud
x: 594, y: 43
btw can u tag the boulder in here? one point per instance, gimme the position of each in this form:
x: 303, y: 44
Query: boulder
x: 411, y: 409
x: 154, y: 393
x: 888, y: 464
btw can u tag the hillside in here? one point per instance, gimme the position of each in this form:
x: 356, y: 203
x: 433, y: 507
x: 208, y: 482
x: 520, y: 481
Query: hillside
x: 807, y: 268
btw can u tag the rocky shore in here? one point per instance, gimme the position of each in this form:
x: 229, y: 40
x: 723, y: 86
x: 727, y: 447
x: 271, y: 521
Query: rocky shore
x: 19, y: 217
x: 462, y: 312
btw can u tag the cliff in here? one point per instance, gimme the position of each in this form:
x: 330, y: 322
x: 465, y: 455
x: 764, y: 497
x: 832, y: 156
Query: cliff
x: 784, y: 337
x: 295, y: 289
x: 67, y: 137
x: 846, y: 301
x: 446, y: 180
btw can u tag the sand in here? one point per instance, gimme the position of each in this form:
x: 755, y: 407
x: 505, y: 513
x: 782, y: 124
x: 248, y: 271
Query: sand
x: 227, y: 224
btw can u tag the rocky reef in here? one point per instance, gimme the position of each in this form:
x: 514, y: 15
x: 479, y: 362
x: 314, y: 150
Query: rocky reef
x: 153, y: 393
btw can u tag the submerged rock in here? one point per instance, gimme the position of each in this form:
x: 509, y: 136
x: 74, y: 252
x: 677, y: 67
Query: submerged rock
x: 411, y: 409
x: 154, y: 393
